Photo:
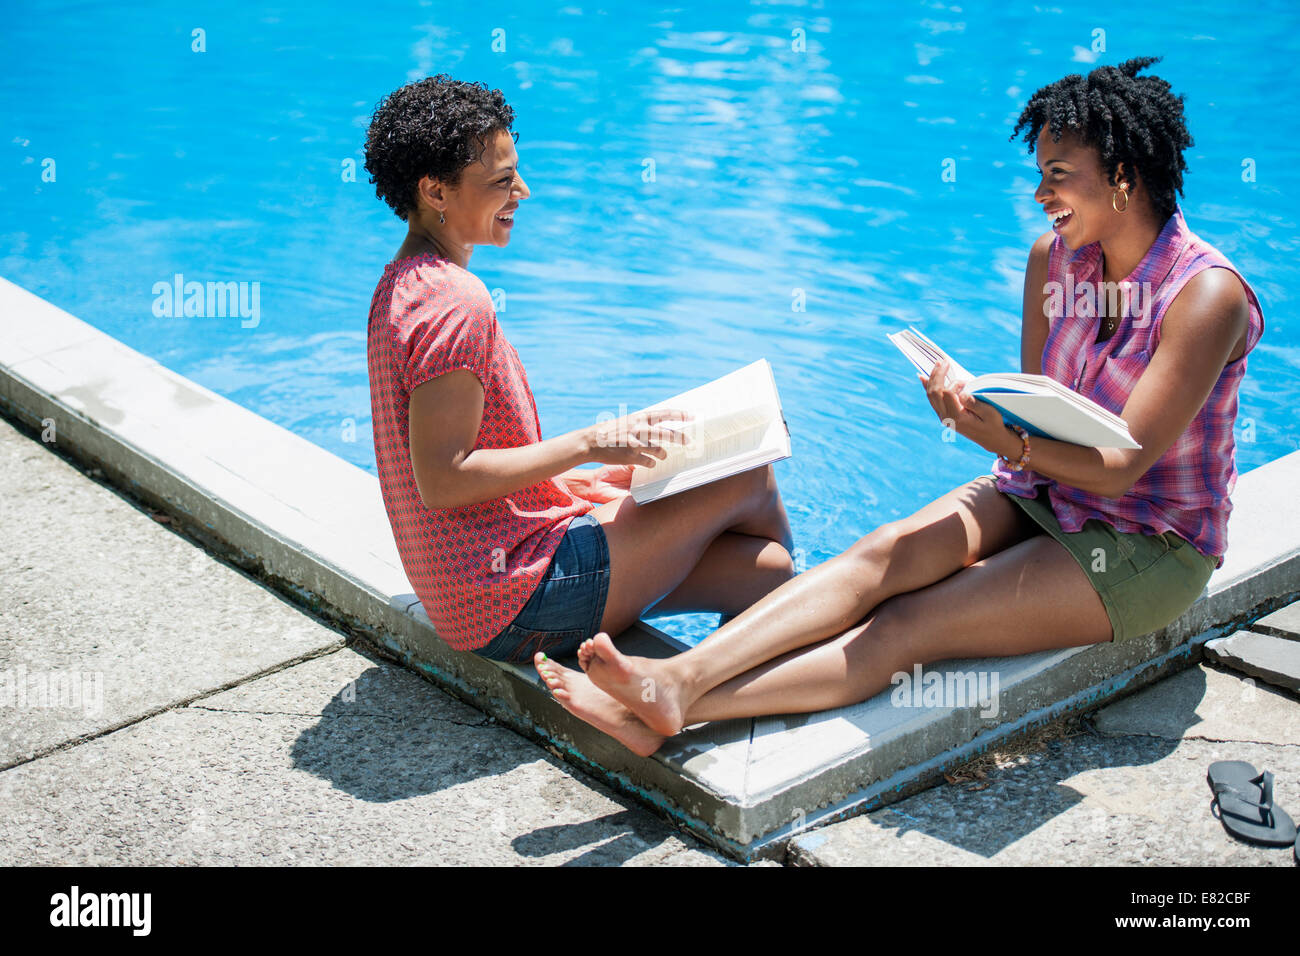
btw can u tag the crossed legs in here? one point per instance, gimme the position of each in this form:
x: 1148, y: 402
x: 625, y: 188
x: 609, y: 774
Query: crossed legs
x: 719, y: 547
x: 968, y: 575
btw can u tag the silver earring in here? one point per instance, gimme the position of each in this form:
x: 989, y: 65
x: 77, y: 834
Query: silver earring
x: 440, y: 219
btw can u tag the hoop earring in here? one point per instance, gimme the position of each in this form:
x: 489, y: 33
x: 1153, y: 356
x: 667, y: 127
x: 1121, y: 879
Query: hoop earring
x: 1123, y: 188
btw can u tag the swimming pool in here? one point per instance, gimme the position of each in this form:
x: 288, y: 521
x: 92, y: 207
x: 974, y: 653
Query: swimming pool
x: 779, y: 174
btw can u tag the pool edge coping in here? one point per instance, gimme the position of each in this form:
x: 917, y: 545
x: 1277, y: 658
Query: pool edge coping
x: 113, y: 424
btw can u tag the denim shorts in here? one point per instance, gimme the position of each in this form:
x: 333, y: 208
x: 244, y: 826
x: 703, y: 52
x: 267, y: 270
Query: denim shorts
x: 568, y: 604
x: 1145, y: 581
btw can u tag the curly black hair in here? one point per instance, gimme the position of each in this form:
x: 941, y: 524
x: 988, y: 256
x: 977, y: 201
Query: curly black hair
x: 1129, y: 119
x: 434, y: 127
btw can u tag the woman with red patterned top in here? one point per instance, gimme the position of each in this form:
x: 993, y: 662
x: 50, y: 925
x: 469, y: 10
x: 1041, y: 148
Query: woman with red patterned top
x: 1063, y: 545
x: 511, y: 548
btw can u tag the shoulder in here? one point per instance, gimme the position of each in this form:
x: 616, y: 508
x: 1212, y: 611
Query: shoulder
x: 465, y: 285
x: 440, y: 289
x: 1041, y: 250
x: 1040, y: 253
x: 1210, y: 307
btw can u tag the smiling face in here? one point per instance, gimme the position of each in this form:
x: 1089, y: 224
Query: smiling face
x: 479, y: 211
x: 1074, y: 191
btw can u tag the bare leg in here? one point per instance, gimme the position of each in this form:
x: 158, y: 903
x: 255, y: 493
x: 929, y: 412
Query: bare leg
x: 735, y: 571
x: 949, y: 534
x: 1031, y: 597
x: 655, y: 548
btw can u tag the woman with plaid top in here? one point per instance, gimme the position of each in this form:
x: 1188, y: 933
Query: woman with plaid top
x: 1063, y: 545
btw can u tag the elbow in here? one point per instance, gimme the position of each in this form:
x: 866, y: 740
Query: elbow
x: 439, y: 502
x: 433, y: 495
x: 1115, y: 492
x: 1119, y: 485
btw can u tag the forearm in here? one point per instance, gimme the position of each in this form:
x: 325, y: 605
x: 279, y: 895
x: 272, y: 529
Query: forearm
x: 488, y: 473
x: 1098, y: 471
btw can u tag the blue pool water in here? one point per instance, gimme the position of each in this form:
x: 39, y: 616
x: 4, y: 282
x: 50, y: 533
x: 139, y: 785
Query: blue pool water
x: 775, y: 170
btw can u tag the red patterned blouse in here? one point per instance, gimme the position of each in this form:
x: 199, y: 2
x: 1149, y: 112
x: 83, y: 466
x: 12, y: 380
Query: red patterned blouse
x: 475, y: 566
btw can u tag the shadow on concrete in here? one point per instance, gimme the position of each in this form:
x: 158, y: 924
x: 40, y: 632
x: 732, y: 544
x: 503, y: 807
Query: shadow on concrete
x: 544, y: 841
x: 984, y: 817
x: 389, y: 735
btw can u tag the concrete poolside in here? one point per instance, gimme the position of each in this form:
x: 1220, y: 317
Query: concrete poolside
x: 239, y: 729
x: 236, y: 728
x: 226, y: 658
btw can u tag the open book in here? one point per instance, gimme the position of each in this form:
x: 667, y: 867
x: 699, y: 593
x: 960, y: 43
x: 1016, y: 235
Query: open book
x: 1038, y: 404
x: 736, y: 425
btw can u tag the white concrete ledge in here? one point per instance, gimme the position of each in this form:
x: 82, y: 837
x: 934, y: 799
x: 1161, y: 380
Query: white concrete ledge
x: 314, y: 527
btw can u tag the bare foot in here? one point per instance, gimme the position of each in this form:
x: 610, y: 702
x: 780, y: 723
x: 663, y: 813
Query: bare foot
x: 580, y: 697
x: 640, y: 684
x: 586, y: 651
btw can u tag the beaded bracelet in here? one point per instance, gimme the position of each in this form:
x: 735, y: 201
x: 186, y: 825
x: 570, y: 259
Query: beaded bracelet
x: 1024, y: 455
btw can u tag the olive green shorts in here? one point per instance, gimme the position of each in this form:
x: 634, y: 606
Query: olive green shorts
x: 1145, y: 581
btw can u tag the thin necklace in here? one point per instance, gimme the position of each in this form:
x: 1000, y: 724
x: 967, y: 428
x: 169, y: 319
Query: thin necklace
x: 1101, y: 304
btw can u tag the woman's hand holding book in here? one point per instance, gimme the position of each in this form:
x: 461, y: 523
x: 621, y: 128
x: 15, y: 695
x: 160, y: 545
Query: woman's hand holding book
x: 636, y: 439
x: 967, y: 415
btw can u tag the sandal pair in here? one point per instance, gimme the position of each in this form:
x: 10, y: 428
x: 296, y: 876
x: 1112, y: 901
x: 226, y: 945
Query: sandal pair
x: 1246, y: 809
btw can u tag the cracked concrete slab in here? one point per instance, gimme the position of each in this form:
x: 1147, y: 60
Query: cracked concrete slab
x: 1273, y: 660
x: 106, y: 615
x: 237, y: 482
x: 342, y: 760
x: 1209, y: 704
x: 1088, y: 801
x: 1281, y: 623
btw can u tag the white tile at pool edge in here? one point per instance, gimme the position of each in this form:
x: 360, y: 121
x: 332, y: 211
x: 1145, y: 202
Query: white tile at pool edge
x: 1264, y: 528
x: 32, y: 325
x: 276, y: 460
x: 11, y: 351
x: 369, y: 555
x: 92, y: 380
x: 878, y: 718
x: 781, y: 754
x: 109, y: 382
x: 717, y: 759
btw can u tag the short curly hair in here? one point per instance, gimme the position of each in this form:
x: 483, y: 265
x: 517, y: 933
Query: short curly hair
x: 434, y: 127
x: 1129, y: 119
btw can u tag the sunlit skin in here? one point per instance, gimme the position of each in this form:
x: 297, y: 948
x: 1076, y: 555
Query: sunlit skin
x: 1071, y: 177
x: 715, y: 548
x: 488, y: 189
x: 969, y: 575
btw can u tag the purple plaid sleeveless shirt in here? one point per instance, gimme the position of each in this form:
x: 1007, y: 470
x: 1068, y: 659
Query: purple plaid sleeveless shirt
x: 1187, y: 490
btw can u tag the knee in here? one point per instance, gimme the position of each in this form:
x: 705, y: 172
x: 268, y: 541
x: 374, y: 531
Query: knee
x: 887, y: 639
x: 875, y: 549
x: 776, y: 561
x: 748, y: 492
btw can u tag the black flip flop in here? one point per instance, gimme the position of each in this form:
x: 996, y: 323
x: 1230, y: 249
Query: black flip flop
x: 1245, y: 801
